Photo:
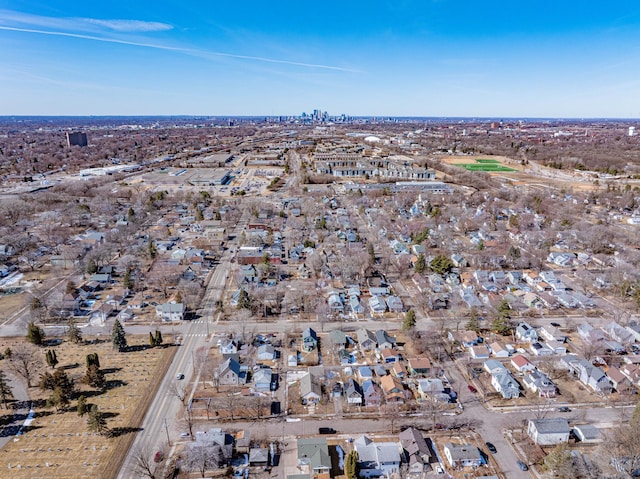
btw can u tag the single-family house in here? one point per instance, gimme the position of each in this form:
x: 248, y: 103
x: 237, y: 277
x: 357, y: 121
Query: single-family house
x: 539, y: 383
x: 353, y: 392
x: 399, y: 370
x: 366, y: 339
x: 619, y: 381
x: 419, y: 366
x: 498, y: 350
x: 394, y: 303
x: 314, y: 453
x: 430, y: 387
x: 506, y: 385
x: 549, y: 431
x: 372, y: 393
x: 493, y: 366
x: 522, y: 364
x: 618, y: 333
x: 463, y: 455
x: 466, y: 339
x: 384, y: 341
x: 388, y: 355
x: 415, y: 450
x: 355, y: 305
x: 365, y: 372
x: 228, y: 346
x: 377, y: 459
x: 170, y: 311
x: 631, y: 372
x: 526, y: 332
x: 262, y: 379
x: 479, y: 352
x: 540, y: 349
x: 594, y: 377
x: 309, y: 340
x: 338, y: 339
x: 377, y: 305
x: 552, y: 333
x: 310, y: 389
x: 392, y: 388
x: 266, y: 352
x: 230, y: 373
x: 335, y: 302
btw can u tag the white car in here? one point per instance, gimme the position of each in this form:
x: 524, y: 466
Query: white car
x: 179, y: 376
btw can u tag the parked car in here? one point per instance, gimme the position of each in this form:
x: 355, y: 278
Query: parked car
x: 158, y: 457
x: 472, y: 388
x: 523, y: 466
x: 564, y: 409
x: 439, y: 469
x: 326, y: 430
x: 491, y: 447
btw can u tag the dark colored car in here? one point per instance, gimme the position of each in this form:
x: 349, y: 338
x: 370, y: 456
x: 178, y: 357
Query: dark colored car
x: 472, y: 389
x: 555, y: 325
x: 523, y: 466
x: 326, y: 430
x: 564, y: 409
x: 491, y: 447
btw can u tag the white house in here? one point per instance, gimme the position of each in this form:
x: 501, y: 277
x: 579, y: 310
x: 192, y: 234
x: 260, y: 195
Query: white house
x: 462, y: 455
x: 170, y: 311
x: 549, y: 431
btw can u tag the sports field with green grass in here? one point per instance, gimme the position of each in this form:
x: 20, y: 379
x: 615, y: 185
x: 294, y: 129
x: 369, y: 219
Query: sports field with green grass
x: 487, y: 165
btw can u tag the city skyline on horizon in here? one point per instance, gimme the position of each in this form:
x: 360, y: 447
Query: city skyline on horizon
x: 434, y: 59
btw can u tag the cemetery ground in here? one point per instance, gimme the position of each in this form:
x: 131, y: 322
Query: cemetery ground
x: 59, y: 444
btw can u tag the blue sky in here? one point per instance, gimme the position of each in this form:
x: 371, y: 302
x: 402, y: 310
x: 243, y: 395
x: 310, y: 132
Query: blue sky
x: 397, y: 58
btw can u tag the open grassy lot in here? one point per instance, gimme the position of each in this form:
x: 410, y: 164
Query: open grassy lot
x: 57, y: 444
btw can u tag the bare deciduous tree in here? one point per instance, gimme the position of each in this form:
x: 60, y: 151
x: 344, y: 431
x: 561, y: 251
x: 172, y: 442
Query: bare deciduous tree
x: 26, y: 362
x: 145, y: 464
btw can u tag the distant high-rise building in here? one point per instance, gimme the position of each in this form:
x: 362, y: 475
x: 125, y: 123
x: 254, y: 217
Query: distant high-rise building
x: 632, y: 130
x: 77, y: 139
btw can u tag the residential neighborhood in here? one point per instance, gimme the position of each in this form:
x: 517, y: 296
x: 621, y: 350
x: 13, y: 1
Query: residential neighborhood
x: 325, y: 304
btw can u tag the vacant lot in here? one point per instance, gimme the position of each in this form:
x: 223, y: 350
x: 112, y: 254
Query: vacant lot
x: 57, y: 445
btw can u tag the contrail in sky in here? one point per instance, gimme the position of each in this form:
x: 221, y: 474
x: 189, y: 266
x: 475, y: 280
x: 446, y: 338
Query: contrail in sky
x: 201, y: 53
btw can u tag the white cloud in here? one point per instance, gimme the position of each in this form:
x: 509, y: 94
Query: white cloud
x: 14, y: 18
x: 128, y: 25
x: 208, y: 54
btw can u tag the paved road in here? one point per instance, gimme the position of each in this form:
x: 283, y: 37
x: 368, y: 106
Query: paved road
x: 161, y: 423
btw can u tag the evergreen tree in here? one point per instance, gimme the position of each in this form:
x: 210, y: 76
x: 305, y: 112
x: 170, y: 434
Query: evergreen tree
x: 127, y: 280
x: 244, y: 300
x: 35, y: 334
x: 51, y: 358
x: 82, y: 406
x: 94, y: 377
x: 420, y: 265
x: 152, y: 251
x: 5, y: 390
x: 73, y: 332
x: 159, y: 339
x: 152, y: 339
x: 118, y: 336
x: 351, y: 465
x: 441, y: 264
x: 93, y: 360
x: 92, y: 266
x: 409, y: 320
x: 96, y: 421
